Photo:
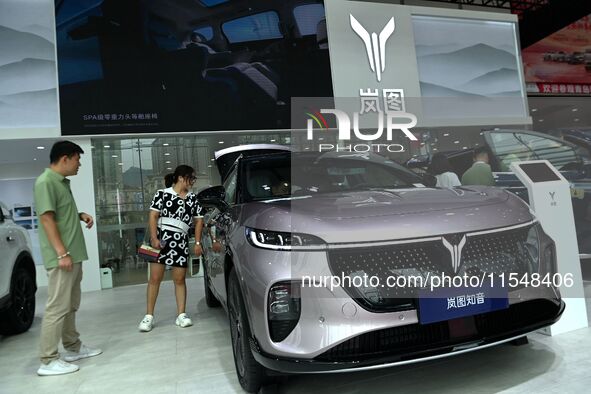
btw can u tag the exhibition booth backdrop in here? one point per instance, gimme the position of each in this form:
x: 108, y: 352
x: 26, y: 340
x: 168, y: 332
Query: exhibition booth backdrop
x: 135, y: 67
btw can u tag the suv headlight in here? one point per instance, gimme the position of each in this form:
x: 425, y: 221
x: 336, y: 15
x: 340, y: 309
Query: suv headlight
x: 283, y: 241
x: 532, y: 247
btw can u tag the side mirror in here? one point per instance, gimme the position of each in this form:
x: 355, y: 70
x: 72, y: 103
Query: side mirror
x: 213, y: 197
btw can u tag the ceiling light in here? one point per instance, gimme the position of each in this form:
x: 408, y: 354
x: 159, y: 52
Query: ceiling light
x: 35, y: 159
x: 575, y: 109
x: 209, y: 166
x: 221, y: 142
x: 167, y: 154
x: 576, y: 119
x: 464, y: 147
x: 169, y: 169
x: 107, y: 146
x: 167, y: 162
x: 445, y: 134
x: 307, y: 148
x: 165, y: 144
x: 40, y: 147
x: 114, y: 156
x: 534, y: 110
x: 434, y: 149
x: 212, y: 159
x: 120, y: 164
x: 540, y: 120
x: 456, y: 142
x: 272, y: 140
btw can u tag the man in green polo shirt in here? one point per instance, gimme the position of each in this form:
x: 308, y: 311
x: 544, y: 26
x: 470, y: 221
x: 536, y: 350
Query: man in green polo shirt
x: 63, y: 250
x: 480, y: 173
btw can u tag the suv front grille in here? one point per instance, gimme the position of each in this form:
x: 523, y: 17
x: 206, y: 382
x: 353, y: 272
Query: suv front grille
x: 497, y: 252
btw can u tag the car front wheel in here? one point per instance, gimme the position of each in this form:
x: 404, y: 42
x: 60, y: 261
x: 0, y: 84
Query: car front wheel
x: 251, y: 374
x: 18, y: 317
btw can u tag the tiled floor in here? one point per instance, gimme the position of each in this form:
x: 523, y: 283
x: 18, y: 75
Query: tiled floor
x: 199, y: 359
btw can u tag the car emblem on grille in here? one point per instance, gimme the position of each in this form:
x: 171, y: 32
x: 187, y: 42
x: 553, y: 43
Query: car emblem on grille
x: 375, y: 44
x: 455, y: 248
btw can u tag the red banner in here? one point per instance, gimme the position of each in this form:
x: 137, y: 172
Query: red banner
x: 561, y: 60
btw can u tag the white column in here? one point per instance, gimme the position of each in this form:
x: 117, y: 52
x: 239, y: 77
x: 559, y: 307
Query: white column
x: 83, y: 189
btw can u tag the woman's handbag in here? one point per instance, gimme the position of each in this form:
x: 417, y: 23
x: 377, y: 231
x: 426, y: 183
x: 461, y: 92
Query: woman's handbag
x: 148, y: 253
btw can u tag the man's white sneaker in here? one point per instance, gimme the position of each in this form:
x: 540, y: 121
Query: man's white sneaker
x: 84, y: 352
x: 147, y: 323
x: 183, y: 320
x: 57, y: 367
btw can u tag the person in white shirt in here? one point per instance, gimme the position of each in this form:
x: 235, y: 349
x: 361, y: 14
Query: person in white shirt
x: 441, y: 169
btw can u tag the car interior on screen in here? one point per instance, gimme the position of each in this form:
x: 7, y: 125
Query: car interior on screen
x: 213, y: 57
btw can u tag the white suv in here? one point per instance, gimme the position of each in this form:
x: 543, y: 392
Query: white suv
x: 17, y: 277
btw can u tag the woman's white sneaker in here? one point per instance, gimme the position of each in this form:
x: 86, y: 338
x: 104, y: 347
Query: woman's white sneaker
x: 57, y: 367
x: 183, y: 320
x: 147, y: 323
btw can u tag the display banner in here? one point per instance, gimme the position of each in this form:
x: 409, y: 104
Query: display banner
x: 462, y: 66
x: 561, y: 63
x: 28, y: 81
x: 168, y: 66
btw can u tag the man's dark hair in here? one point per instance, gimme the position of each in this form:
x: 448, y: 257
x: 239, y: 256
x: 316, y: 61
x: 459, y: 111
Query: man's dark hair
x: 63, y: 148
x: 479, y: 151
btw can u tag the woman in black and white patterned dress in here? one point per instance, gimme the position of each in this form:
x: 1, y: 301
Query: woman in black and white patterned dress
x: 172, y: 212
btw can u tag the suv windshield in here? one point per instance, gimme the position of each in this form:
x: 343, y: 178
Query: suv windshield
x: 280, y: 176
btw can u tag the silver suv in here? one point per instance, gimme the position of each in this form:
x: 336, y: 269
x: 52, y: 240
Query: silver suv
x: 287, y: 226
x: 17, y: 277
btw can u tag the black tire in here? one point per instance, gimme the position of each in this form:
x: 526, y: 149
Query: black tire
x: 210, y: 299
x: 251, y: 374
x: 18, y: 317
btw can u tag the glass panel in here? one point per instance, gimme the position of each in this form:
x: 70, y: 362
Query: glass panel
x: 211, y: 3
x: 555, y: 152
x: 230, y: 187
x: 263, y: 26
x: 128, y: 172
x: 507, y: 148
x: 307, y: 18
x: 206, y: 32
x: 510, y: 147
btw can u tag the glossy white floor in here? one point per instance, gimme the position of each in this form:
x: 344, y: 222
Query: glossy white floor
x: 198, y: 359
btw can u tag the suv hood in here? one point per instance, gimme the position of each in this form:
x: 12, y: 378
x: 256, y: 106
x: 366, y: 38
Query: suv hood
x: 365, y: 216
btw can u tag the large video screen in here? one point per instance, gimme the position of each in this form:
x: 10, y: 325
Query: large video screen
x: 138, y: 66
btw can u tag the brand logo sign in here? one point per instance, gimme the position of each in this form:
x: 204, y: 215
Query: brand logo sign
x: 375, y: 44
x: 456, y: 251
x: 553, y: 203
x: 380, y: 106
